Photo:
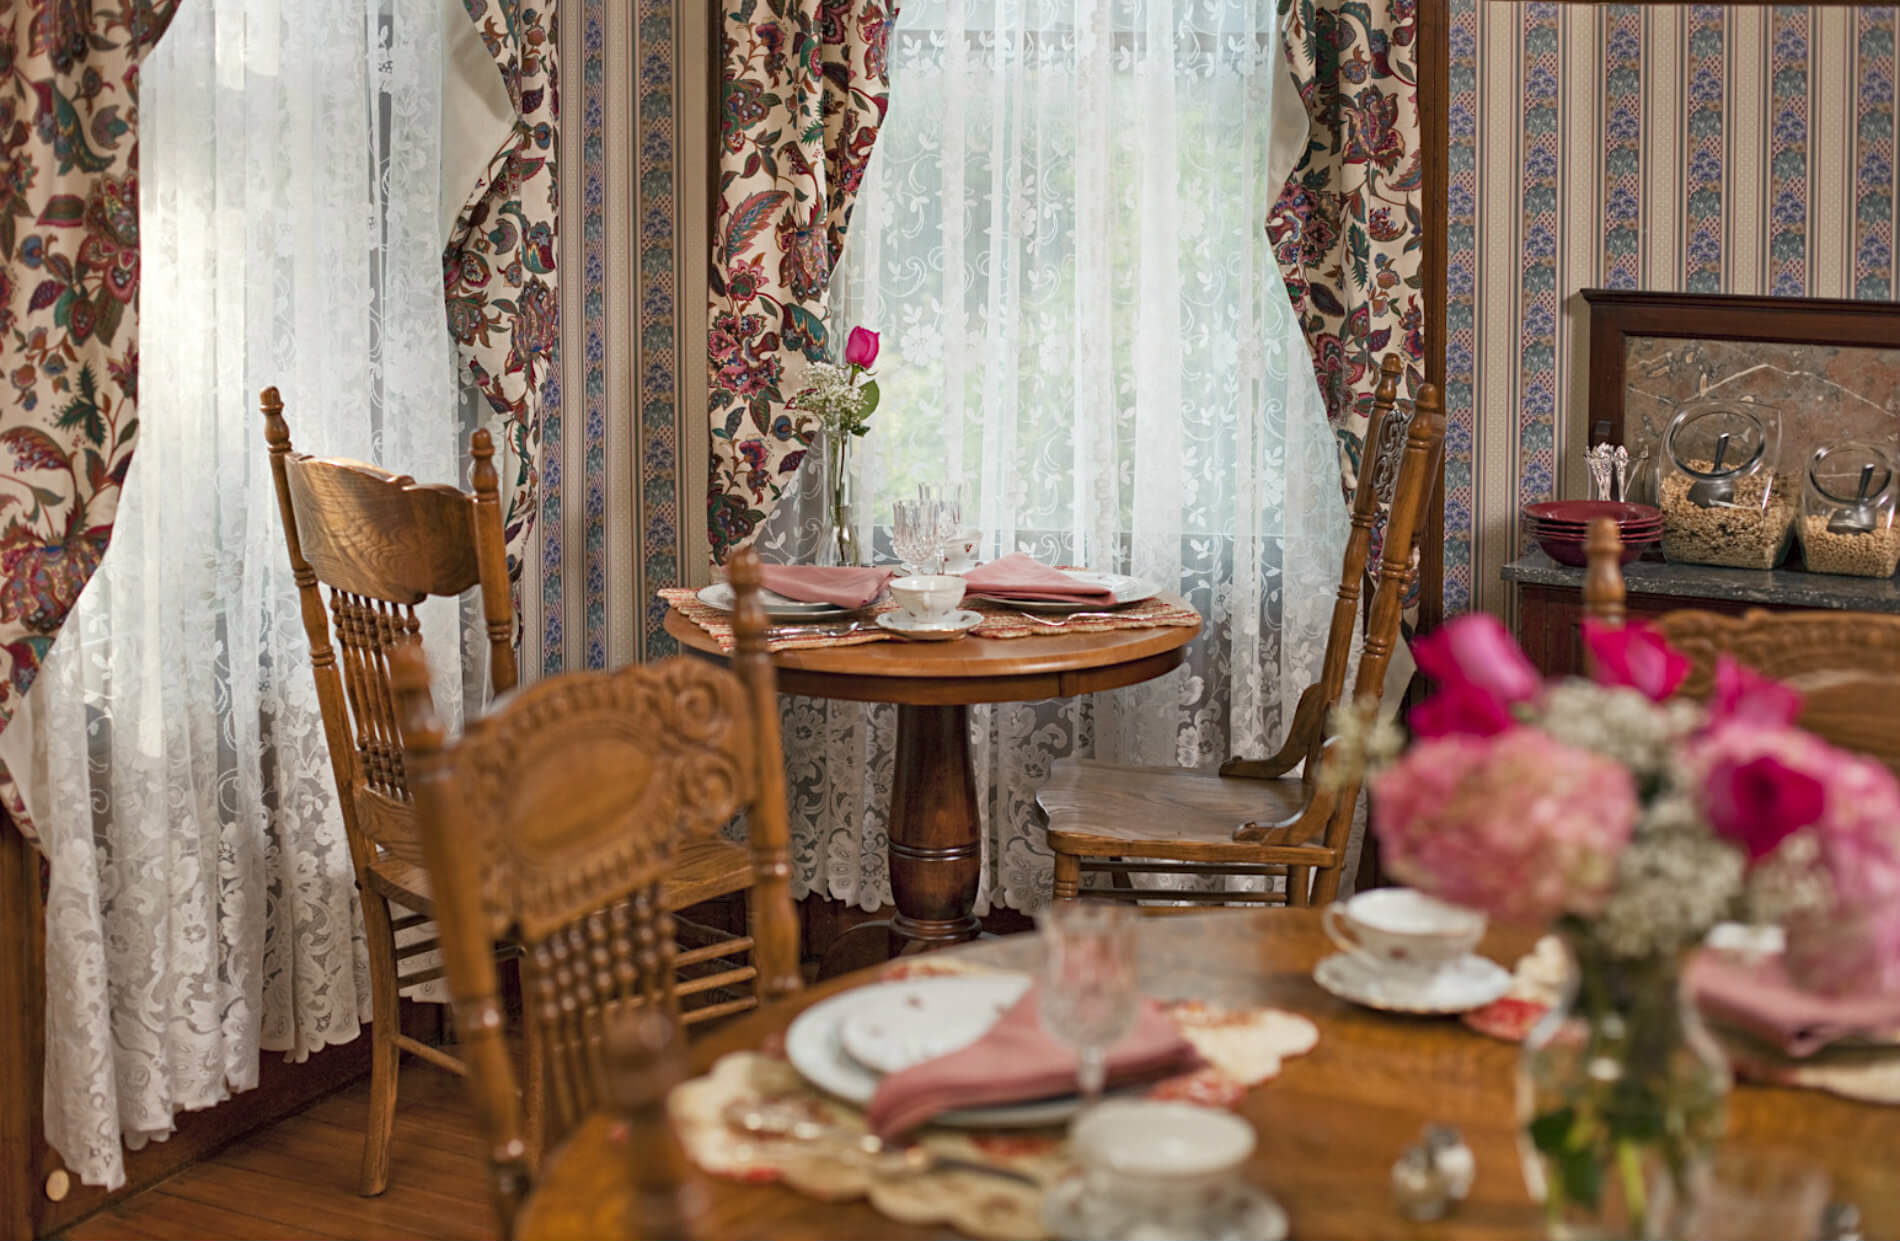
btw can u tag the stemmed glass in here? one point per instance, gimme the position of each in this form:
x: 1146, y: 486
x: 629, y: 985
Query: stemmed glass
x: 1089, y: 999
x: 945, y: 503
x: 914, y: 534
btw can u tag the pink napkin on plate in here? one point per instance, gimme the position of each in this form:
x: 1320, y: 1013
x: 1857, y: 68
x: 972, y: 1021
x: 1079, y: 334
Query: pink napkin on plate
x: 807, y: 583
x: 1020, y: 577
x: 1015, y: 1062
x: 1760, y: 998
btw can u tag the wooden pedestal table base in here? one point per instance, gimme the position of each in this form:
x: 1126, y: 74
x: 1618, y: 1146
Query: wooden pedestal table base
x: 935, y: 836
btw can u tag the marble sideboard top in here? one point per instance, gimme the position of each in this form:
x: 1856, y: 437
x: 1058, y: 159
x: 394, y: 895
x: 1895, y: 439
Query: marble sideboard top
x: 1786, y: 587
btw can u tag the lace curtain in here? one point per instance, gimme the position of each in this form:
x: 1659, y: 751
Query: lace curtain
x: 1061, y: 237
x: 202, y: 905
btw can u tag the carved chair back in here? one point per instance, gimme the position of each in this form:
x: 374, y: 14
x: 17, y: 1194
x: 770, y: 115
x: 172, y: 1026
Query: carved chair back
x: 554, y: 820
x: 380, y: 544
x: 1846, y: 665
x: 1416, y: 476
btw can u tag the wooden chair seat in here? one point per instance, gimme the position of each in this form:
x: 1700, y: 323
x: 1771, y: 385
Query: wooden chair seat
x: 1251, y: 818
x: 1107, y: 810
x: 706, y: 869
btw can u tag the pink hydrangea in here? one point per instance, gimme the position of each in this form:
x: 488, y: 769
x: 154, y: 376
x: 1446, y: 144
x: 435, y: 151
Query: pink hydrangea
x: 1517, y: 825
x: 1853, y: 845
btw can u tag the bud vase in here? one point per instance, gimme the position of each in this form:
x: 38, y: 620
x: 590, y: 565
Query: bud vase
x: 1622, y: 1096
x: 838, y: 542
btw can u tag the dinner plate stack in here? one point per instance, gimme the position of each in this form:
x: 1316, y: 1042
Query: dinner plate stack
x: 1562, y: 527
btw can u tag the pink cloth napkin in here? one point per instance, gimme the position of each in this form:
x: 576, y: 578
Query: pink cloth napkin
x: 1017, y: 576
x: 1016, y: 1062
x: 846, y: 588
x: 1761, y: 999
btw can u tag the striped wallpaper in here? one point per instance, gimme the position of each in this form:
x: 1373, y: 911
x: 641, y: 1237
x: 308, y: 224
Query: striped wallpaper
x: 1707, y: 148
x: 623, y: 482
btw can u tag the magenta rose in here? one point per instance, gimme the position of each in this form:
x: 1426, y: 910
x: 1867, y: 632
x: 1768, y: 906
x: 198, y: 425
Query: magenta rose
x: 861, y: 348
x: 1759, y: 802
x: 1478, y: 652
x: 1460, y: 709
x: 1743, y: 695
x: 1634, y: 657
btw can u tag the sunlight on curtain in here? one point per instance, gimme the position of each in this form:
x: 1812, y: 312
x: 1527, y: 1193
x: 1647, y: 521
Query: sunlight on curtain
x: 1061, y: 236
x: 202, y: 905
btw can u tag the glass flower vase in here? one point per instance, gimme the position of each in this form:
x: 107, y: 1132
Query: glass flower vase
x: 1622, y: 1099
x: 838, y: 536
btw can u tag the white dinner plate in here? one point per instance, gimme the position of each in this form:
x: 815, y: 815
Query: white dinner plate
x: 1126, y: 590
x: 1470, y: 982
x: 815, y: 1048
x: 777, y: 607
x: 902, y: 1024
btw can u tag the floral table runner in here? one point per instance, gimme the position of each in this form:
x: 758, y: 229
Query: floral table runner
x: 999, y: 621
x: 1867, y: 1074
x: 1242, y: 1048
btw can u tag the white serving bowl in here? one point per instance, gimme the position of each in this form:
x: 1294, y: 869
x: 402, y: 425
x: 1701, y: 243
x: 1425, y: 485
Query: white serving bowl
x: 928, y: 596
x: 1157, y: 1153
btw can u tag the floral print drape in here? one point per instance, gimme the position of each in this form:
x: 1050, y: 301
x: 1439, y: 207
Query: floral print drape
x: 498, y: 269
x: 69, y: 296
x: 803, y: 91
x: 1347, y: 230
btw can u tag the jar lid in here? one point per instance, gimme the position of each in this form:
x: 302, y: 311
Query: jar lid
x: 1732, y: 436
x: 1836, y: 471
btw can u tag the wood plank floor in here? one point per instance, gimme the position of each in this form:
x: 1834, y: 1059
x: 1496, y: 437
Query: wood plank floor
x: 297, y: 1178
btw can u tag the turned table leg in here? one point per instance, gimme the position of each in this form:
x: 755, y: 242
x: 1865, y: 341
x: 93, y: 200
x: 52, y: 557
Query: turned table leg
x: 936, y: 853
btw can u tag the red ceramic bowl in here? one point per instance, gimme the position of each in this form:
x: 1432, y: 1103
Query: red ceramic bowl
x: 1583, y: 512
x: 1537, y: 530
x: 1573, y: 553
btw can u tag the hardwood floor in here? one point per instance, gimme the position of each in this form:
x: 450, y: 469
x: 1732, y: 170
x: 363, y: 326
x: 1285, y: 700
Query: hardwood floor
x: 297, y: 1178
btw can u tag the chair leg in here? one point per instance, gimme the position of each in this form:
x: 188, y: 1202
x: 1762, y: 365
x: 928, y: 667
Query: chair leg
x: 1299, y: 886
x: 1068, y: 877
x: 534, y: 1090
x: 385, y: 1057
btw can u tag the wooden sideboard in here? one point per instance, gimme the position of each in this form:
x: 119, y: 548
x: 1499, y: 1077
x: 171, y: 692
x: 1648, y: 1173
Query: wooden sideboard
x: 1550, y: 599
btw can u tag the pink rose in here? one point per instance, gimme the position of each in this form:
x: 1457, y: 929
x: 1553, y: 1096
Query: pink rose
x: 1460, y: 709
x: 1634, y: 656
x: 1760, y: 802
x: 861, y: 348
x: 1745, y: 696
x: 1478, y: 652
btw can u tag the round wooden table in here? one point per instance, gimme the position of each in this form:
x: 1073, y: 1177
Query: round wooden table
x: 936, y: 848
x: 1330, y: 1125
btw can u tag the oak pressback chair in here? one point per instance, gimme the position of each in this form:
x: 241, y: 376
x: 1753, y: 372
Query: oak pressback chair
x: 381, y: 544
x: 1846, y: 665
x: 555, y: 820
x: 1251, y: 817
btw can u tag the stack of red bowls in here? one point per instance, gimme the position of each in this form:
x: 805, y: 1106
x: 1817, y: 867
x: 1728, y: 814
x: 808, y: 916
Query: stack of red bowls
x: 1562, y: 527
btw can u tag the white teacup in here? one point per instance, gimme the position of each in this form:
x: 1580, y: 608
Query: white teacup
x: 959, y: 553
x: 1158, y: 1158
x: 1402, y: 930
x: 928, y: 597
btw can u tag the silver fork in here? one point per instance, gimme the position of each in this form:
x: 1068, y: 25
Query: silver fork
x: 816, y: 631
x: 1066, y: 617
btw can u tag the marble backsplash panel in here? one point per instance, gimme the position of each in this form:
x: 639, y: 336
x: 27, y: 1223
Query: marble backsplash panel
x: 1825, y: 394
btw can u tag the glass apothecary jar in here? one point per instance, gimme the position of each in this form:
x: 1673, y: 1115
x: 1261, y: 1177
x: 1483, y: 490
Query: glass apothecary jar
x: 1722, y: 500
x: 1847, y: 512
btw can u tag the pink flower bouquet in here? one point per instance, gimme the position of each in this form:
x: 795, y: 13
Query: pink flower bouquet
x: 1637, y: 818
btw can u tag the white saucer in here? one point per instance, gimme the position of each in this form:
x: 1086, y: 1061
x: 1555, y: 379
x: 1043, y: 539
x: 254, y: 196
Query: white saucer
x: 955, y: 625
x: 1232, y: 1211
x: 1125, y: 589
x: 1470, y: 982
x: 777, y: 607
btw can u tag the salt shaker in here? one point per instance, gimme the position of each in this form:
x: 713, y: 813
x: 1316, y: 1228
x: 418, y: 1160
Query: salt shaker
x: 1434, y: 1174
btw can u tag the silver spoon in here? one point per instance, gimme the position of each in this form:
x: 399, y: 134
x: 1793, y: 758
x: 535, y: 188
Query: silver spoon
x: 767, y: 1120
x: 1860, y: 518
x: 1713, y: 491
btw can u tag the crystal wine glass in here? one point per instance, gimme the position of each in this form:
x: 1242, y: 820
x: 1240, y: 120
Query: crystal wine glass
x: 1089, y: 999
x: 914, y: 534
x: 945, y: 501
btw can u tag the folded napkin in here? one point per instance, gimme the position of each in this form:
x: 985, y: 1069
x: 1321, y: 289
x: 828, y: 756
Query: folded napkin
x: 1015, y: 1062
x: 1758, y: 997
x: 807, y: 583
x: 1017, y: 576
